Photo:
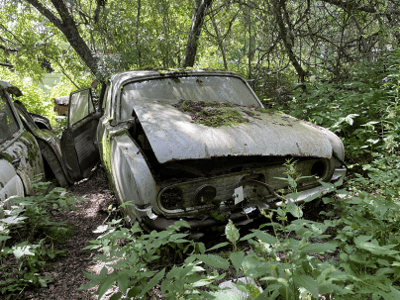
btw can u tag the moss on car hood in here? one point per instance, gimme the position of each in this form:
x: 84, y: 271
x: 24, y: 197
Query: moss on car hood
x: 174, y: 134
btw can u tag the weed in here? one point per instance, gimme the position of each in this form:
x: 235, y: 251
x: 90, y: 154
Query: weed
x: 30, y: 235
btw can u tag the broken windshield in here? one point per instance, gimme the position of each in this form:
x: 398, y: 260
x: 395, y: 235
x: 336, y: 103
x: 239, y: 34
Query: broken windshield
x: 194, y: 88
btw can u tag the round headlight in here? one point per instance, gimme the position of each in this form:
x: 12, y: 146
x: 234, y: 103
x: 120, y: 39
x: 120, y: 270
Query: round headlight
x: 318, y: 169
x: 204, y: 194
x: 172, y: 198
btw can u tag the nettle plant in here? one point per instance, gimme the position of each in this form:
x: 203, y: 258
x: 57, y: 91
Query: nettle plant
x: 361, y: 110
x: 352, y: 254
x: 28, y: 236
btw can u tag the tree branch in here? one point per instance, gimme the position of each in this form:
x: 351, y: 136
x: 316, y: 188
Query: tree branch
x: 353, y: 5
x: 9, y: 49
x: 279, y: 7
x: 46, y: 12
x: 68, y: 27
x: 16, y: 38
x: 10, y: 66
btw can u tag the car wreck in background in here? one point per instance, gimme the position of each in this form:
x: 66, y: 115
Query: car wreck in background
x: 28, y: 148
x: 194, y: 145
x: 61, y: 105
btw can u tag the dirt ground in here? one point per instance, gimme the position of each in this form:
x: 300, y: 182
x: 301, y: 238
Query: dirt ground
x: 67, y: 272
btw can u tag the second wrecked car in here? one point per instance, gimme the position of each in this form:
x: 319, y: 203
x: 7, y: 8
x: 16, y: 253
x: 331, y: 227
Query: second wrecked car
x: 193, y: 145
x: 29, y: 150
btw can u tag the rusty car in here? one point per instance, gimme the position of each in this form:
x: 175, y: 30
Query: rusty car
x: 195, y: 145
x: 29, y: 150
x: 61, y: 105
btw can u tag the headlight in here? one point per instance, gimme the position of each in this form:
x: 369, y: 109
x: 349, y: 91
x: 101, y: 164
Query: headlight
x: 204, y: 194
x: 172, y: 198
x: 318, y: 169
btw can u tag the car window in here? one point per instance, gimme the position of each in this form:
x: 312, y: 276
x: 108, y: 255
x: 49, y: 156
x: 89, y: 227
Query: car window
x: 26, y: 118
x: 195, y: 88
x: 80, y: 106
x: 8, y: 122
x: 106, y: 102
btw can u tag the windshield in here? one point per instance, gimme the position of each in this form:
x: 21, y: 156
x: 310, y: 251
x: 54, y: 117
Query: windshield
x: 8, y: 123
x: 195, y: 88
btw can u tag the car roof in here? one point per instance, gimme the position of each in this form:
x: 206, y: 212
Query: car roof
x: 11, y: 89
x: 62, y: 100
x: 121, y: 78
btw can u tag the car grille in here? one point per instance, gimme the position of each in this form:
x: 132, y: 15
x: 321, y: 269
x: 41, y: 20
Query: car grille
x: 194, y: 196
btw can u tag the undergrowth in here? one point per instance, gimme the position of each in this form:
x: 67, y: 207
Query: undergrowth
x: 363, y: 111
x: 353, y: 252
x: 28, y: 236
x: 353, y: 255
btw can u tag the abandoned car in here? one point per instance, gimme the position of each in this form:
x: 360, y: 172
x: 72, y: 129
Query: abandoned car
x: 195, y: 145
x: 61, y: 105
x: 28, y: 149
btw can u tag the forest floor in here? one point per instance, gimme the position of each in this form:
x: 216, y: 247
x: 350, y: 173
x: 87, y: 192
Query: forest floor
x: 66, y: 272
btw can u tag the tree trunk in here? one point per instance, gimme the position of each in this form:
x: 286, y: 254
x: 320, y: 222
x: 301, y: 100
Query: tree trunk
x: 68, y: 27
x: 279, y: 9
x: 139, y: 53
x: 198, y: 16
x: 250, y: 52
x: 220, y: 42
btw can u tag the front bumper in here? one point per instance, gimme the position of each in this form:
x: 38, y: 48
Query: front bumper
x: 240, y: 216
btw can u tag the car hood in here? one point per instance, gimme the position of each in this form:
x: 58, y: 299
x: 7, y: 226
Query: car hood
x: 174, y: 136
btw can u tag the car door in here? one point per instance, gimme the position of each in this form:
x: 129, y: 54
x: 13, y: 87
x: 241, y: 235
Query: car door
x: 20, y: 156
x: 78, y: 141
x: 49, y: 144
x: 10, y: 183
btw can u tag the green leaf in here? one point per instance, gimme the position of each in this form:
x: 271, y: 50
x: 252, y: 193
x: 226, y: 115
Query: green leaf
x: 220, y: 245
x: 231, y: 232
x: 3, y: 238
x: 307, y: 282
x: 106, y: 283
x: 176, y: 272
x: 373, y: 246
x: 395, y: 292
x: 280, y: 280
x: 116, y: 296
x: 133, y: 292
x: 88, y: 285
x: 177, y: 238
x: 201, y: 247
x: 265, y: 237
x: 270, y: 288
x: 294, y: 209
x: 236, y: 259
x: 319, y: 248
x: 123, y: 282
x: 153, y: 281
x: 222, y: 295
x: 214, y: 261
x: 95, y: 280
